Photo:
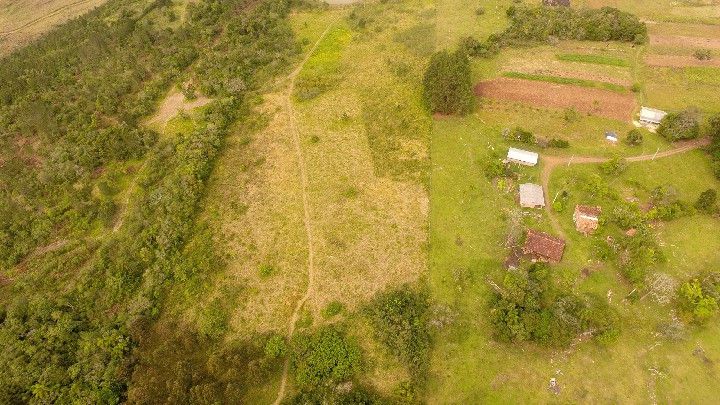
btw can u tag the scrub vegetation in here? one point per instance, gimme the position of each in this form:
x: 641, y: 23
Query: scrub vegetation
x: 275, y: 201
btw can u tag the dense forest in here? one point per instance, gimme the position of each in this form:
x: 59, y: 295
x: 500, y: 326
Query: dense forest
x: 72, y: 107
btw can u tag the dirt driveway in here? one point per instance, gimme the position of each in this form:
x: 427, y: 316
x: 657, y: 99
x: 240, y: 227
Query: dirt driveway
x: 599, y: 102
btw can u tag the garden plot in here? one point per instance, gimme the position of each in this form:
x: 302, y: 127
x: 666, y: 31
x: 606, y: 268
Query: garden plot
x: 553, y: 67
x: 605, y: 103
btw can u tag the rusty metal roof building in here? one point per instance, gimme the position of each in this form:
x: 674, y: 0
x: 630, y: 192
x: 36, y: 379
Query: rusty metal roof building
x: 543, y: 247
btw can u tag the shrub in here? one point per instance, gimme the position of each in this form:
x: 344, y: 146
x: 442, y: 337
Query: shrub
x: 559, y: 143
x: 520, y: 135
x: 682, y: 125
x: 275, y: 347
x: 448, y: 83
x: 326, y: 356
x: 266, y: 270
x: 538, y: 24
x: 614, y: 166
x: 702, y: 54
x: 333, y: 309
x: 530, y: 308
x: 707, y: 201
x: 634, y: 137
x: 399, y: 319
x: 694, y: 301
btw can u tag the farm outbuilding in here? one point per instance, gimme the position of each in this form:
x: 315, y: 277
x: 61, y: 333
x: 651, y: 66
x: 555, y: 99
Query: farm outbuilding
x: 611, y: 136
x: 532, y: 196
x: 587, y: 218
x: 651, y: 116
x: 543, y: 247
x: 522, y: 157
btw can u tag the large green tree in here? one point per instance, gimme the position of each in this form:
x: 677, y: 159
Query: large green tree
x: 448, y: 83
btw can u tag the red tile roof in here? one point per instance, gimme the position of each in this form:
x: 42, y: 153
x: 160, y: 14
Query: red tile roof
x: 542, y: 246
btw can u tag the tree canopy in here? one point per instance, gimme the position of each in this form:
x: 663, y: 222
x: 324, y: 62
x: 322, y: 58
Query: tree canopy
x: 448, y: 83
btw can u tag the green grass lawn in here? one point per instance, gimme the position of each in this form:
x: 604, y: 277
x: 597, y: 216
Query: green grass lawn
x: 468, y: 224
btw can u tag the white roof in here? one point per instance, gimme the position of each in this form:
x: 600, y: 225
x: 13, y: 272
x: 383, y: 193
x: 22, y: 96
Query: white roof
x: 531, y: 195
x: 651, y: 115
x: 523, y: 156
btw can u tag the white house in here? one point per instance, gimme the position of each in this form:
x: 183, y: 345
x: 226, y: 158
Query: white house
x: 651, y: 116
x: 522, y: 157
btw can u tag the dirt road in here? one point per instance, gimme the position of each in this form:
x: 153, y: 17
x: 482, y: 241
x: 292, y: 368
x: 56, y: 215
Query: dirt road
x: 551, y: 162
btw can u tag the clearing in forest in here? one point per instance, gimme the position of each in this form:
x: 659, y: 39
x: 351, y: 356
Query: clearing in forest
x: 605, y: 103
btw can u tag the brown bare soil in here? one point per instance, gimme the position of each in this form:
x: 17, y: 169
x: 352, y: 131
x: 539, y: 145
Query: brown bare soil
x: 683, y: 41
x: 679, y: 61
x: 173, y: 104
x: 599, y: 102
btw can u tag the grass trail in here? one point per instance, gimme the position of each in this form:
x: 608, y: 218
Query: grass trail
x: 292, y: 121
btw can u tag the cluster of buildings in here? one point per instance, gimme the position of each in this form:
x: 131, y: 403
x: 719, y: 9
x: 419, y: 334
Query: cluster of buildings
x: 541, y: 246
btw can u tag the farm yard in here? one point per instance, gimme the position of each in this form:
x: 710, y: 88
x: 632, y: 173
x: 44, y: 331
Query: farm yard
x: 344, y: 237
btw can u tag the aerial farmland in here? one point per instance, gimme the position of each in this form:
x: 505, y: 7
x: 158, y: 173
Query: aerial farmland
x: 401, y: 201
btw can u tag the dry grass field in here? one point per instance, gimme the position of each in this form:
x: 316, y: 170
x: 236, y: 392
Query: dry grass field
x: 23, y: 21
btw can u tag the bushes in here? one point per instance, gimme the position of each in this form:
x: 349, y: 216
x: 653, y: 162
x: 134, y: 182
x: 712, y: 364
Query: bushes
x: 558, y: 143
x: 520, y: 135
x: 448, y: 83
x: 325, y: 357
x: 702, y: 54
x: 399, y: 319
x: 614, y: 166
x: 699, y: 299
x: 713, y: 131
x: 682, y: 125
x: 634, y: 137
x: 531, y: 308
x: 707, y: 202
x: 539, y: 24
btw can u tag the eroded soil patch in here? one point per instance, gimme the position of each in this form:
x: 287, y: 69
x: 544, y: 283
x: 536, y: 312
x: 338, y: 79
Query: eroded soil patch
x: 599, y: 102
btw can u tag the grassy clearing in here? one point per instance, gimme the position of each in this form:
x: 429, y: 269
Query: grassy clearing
x: 593, y: 59
x: 566, y: 80
x: 322, y: 71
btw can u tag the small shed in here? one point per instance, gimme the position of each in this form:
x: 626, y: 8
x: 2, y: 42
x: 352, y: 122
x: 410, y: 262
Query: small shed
x: 532, y: 196
x: 543, y: 247
x: 522, y: 157
x: 587, y: 218
x: 651, y: 116
x: 611, y: 136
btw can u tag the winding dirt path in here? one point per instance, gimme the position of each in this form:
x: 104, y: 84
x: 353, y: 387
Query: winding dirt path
x: 307, y: 211
x: 551, y: 162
